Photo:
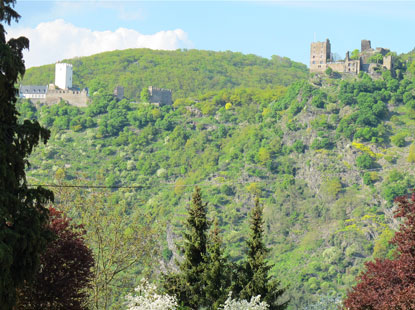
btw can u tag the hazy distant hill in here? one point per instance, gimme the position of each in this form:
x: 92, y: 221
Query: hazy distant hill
x: 186, y: 72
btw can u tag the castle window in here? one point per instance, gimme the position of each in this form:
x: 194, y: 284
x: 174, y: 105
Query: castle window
x: 314, y: 62
x: 321, y: 61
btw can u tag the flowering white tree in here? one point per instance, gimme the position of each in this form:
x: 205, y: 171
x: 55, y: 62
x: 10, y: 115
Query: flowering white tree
x: 254, y: 304
x: 147, y: 298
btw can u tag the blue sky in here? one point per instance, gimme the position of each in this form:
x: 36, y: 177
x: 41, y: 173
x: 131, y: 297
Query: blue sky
x: 63, y: 29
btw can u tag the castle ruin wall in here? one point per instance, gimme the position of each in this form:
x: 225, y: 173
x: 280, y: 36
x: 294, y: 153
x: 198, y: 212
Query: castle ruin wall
x: 160, y: 96
x: 73, y: 97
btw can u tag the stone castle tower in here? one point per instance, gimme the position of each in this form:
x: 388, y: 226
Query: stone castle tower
x: 63, y: 75
x: 320, y: 55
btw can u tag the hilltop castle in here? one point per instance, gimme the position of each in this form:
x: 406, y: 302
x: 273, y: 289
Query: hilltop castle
x: 321, y: 59
x: 54, y: 93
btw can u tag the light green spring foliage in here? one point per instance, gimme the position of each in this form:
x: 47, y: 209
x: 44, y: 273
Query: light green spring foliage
x: 186, y: 72
x: 411, y: 155
x: 165, y: 151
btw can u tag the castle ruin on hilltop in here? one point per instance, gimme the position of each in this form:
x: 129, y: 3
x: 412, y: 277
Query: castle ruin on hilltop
x: 54, y: 93
x: 321, y: 59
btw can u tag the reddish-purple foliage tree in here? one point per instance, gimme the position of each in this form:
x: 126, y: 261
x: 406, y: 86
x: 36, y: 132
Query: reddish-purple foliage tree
x: 390, y: 284
x: 65, y: 270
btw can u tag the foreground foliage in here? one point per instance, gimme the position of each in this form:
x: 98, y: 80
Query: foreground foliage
x: 122, y: 242
x: 255, y: 279
x: 205, y: 277
x: 66, y: 270
x: 389, y: 283
x: 254, y: 303
x: 147, y: 298
x: 23, y: 217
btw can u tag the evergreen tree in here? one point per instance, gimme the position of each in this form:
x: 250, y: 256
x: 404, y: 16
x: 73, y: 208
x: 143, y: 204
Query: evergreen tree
x: 188, y: 285
x: 217, y: 272
x: 254, y: 279
x: 23, y: 218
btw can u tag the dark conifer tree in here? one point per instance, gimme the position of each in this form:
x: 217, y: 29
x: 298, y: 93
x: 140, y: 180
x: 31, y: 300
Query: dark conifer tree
x: 23, y: 217
x: 217, y: 272
x: 188, y: 285
x: 254, y: 276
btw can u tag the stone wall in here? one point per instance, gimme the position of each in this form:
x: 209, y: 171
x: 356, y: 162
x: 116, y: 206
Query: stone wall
x: 119, y: 92
x: 387, y: 62
x: 160, y: 96
x: 73, y: 97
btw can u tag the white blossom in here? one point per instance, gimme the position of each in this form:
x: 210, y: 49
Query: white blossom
x: 147, y: 298
x: 254, y: 304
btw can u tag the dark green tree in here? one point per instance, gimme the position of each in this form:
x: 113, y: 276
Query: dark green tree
x: 255, y: 279
x: 217, y: 273
x: 23, y: 217
x: 189, y: 284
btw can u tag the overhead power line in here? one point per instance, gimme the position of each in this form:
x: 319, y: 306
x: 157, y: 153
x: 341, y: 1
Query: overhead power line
x: 120, y: 186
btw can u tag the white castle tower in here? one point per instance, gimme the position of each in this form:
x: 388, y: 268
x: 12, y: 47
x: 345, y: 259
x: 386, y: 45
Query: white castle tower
x: 63, y: 75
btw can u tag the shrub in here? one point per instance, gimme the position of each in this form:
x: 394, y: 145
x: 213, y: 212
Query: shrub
x: 364, y: 161
x: 323, y: 143
x: 299, y: 146
x: 399, y: 139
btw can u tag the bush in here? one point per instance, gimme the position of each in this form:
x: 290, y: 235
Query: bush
x: 364, y: 161
x: 299, y: 146
x: 329, y: 71
x: 399, y: 139
x: 323, y: 143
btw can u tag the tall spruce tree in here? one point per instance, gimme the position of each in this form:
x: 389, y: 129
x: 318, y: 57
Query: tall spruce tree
x: 254, y: 276
x: 189, y: 284
x: 217, y: 273
x: 23, y: 218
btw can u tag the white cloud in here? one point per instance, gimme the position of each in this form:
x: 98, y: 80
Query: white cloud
x: 57, y: 40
